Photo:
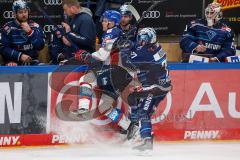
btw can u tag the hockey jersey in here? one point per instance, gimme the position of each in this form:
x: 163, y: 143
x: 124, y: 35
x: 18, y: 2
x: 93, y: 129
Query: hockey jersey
x: 106, y: 53
x: 15, y: 41
x: 219, y: 40
x: 150, y: 62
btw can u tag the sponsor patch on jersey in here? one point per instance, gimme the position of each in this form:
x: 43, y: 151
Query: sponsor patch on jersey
x: 34, y: 24
x: 6, y: 28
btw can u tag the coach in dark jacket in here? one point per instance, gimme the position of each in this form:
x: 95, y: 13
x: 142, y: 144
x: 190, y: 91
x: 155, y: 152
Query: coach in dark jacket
x: 79, y: 33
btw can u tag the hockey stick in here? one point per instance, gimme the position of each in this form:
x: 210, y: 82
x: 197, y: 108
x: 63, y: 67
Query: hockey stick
x: 36, y: 4
x: 136, y: 14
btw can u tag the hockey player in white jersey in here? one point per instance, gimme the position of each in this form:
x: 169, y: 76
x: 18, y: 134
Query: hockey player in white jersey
x: 105, y: 75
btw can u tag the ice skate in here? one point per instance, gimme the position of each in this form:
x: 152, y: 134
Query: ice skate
x: 145, y: 148
x: 132, y: 131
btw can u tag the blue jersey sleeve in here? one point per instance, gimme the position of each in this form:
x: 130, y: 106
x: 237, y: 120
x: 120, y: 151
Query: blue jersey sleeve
x: 8, y: 52
x: 187, y: 41
x: 228, y: 48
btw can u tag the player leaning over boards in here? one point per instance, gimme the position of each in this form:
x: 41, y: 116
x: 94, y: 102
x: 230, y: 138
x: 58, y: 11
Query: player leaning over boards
x: 148, y: 59
x: 111, y: 79
x: 210, y: 36
x: 21, y: 38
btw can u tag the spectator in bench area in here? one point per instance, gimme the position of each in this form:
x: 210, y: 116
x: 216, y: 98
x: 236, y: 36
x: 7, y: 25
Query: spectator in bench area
x: 210, y: 36
x: 21, y: 38
x: 78, y: 33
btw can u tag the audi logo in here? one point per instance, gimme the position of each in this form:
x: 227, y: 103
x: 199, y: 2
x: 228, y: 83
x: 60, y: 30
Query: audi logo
x: 151, y: 14
x: 52, y: 2
x: 8, y: 14
x: 48, y: 28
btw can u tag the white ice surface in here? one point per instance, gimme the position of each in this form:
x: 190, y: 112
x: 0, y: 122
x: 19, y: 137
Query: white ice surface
x: 162, y: 151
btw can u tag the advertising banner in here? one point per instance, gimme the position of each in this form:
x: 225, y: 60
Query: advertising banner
x: 170, y: 16
x: 65, y: 90
x: 23, y: 103
x: 203, y: 105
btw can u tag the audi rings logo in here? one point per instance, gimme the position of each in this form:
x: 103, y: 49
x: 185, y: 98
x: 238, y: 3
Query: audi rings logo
x: 48, y: 28
x: 8, y: 14
x: 52, y: 2
x: 151, y: 14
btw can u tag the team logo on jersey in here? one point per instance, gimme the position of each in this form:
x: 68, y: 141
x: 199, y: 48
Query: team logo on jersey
x: 211, y: 34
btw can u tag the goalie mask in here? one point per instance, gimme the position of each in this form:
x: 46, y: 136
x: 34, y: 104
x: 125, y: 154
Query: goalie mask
x: 18, y: 5
x: 213, y: 13
x: 146, y: 36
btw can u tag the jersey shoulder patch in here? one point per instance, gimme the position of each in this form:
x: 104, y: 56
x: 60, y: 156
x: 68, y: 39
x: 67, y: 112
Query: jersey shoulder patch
x: 33, y: 24
x: 7, y: 27
x: 226, y: 28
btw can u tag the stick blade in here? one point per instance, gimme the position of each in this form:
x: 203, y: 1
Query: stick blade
x: 134, y: 12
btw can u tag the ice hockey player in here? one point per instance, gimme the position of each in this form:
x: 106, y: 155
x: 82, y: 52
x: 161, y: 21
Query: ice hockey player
x: 149, y: 60
x: 126, y: 18
x: 105, y: 75
x: 210, y: 36
x: 21, y: 38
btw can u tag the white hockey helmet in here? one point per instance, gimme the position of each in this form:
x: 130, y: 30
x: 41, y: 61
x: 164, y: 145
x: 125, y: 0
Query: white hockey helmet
x: 213, y: 13
x: 146, y: 35
x: 18, y: 5
x: 124, y: 10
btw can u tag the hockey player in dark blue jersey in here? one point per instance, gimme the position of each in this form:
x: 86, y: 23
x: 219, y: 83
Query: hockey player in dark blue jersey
x: 128, y: 30
x: 21, y: 38
x: 149, y: 60
x: 126, y: 19
x: 210, y: 36
x: 80, y: 33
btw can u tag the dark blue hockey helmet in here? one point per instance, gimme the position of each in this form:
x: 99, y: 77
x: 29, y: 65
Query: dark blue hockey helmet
x: 112, y: 16
x: 19, y: 4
